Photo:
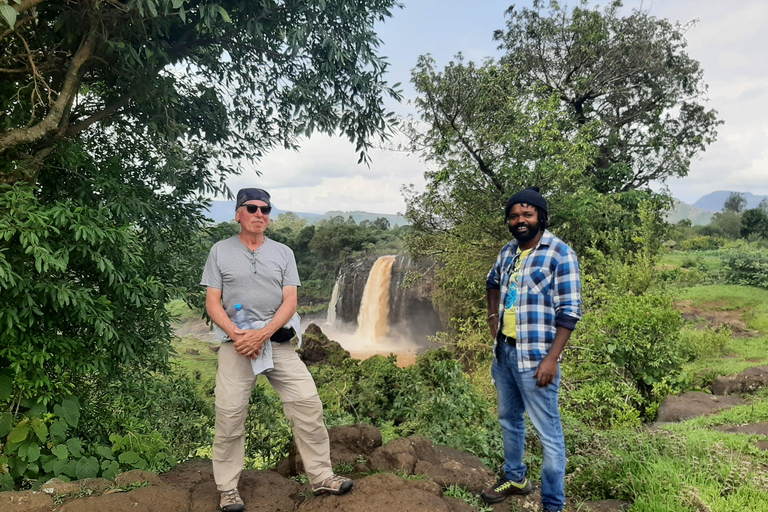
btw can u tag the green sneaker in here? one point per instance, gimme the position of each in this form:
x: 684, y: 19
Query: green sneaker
x: 505, y: 487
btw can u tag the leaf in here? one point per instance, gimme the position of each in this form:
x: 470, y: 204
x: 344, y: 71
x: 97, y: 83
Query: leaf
x: 40, y: 429
x: 105, y: 452
x: 58, y: 431
x: 224, y: 14
x: 87, y: 468
x: 129, y: 457
x: 109, y: 469
x: 5, y: 423
x: 33, y: 452
x: 69, y: 410
x: 75, y: 447
x: 177, y: 3
x: 60, y: 451
x: 60, y: 466
x: 9, y: 14
x: 6, y: 385
x: 19, y: 433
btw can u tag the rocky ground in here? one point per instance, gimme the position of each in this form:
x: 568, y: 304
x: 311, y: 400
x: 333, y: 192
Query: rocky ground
x: 408, y: 474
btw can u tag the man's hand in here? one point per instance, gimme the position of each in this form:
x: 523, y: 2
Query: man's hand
x: 545, y: 372
x: 248, y: 342
x: 493, y: 323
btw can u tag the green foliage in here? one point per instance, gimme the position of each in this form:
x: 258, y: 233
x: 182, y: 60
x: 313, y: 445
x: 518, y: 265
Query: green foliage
x: 725, y: 224
x: 74, y: 282
x: 735, y: 203
x: 66, y: 441
x: 663, y: 471
x: 703, y: 243
x: 746, y: 265
x: 267, y: 431
x: 589, y: 58
x: 472, y: 499
x: 754, y: 223
x: 431, y: 398
x: 197, y: 70
x: 703, y: 343
x: 640, y: 334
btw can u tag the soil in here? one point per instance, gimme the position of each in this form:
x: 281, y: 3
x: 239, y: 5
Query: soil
x: 714, y: 314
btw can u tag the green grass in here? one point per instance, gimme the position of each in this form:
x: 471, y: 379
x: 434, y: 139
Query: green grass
x: 682, y: 468
x: 709, y: 259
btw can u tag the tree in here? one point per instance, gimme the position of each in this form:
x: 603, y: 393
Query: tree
x: 735, y: 203
x: 115, y: 120
x: 241, y: 75
x: 754, y: 222
x: 630, y: 73
x: 763, y: 205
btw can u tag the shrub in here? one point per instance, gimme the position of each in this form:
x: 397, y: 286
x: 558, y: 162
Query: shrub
x: 746, y: 265
x: 134, y: 423
x: 703, y: 243
x: 696, y: 343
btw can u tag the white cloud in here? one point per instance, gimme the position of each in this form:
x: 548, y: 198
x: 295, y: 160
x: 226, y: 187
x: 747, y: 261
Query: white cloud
x: 729, y: 41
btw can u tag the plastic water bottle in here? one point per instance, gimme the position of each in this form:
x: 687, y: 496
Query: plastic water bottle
x: 241, y: 317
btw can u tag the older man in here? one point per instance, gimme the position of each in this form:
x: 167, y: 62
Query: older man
x: 534, y: 301
x: 260, y: 275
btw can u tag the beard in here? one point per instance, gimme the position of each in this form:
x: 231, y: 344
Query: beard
x: 527, y: 234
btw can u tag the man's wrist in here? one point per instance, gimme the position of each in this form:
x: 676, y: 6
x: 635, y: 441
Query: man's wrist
x: 493, y: 315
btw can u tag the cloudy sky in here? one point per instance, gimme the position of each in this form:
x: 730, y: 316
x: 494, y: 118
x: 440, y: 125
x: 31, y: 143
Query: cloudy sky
x: 729, y: 39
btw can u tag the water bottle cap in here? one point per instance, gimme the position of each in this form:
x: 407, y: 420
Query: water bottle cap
x: 238, y: 306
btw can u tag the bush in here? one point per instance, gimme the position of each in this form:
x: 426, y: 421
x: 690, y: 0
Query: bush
x: 150, y: 422
x: 703, y: 243
x: 746, y: 265
x: 619, y: 358
x: 696, y: 343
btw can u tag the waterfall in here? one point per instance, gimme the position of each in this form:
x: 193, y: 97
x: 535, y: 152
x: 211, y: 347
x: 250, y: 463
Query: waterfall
x: 372, y: 321
x: 331, y: 318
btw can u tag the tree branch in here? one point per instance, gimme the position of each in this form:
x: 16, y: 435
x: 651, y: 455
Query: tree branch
x: 69, y: 88
x: 25, y: 5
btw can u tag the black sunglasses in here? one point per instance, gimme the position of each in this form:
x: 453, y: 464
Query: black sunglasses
x: 253, y: 208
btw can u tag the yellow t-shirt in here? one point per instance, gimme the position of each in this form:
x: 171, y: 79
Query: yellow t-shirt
x: 509, y: 328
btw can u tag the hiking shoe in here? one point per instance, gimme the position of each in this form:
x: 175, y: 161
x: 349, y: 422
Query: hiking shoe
x: 230, y: 501
x: 505, y: 487
x: 334, y: 484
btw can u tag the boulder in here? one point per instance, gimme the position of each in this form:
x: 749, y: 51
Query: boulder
x: 56, y: 487
x: 444, y: 465
x: 316, y: 348
x: 349, y: 444
x: 692, y: 405
x: 747, y: 381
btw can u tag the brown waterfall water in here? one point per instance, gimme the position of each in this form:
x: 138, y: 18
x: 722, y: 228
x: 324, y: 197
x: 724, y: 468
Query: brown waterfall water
x: 372, y: 334
x: 372, y: 322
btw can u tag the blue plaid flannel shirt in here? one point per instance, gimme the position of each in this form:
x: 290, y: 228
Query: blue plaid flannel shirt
x: 549, y: 295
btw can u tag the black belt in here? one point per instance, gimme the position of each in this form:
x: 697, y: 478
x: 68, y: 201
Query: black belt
x: 506, y: 339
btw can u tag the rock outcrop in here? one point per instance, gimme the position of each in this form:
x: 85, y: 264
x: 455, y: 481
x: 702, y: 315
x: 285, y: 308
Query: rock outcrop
x: 693, y: 404
x: 316, y: 348
x: 747, y: 381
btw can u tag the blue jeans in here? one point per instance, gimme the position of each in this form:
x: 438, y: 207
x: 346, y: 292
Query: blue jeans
x: 517, y: 393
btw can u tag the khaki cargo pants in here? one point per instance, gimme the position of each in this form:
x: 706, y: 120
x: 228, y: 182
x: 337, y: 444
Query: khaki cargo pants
x: 301, y: 404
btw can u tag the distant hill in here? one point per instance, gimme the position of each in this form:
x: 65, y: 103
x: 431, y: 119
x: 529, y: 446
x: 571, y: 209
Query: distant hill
x: 714, y: 201
x: 682, y: 211
x: 224, y: 211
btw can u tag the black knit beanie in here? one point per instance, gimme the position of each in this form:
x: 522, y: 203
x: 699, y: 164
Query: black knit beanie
x: 530, y: 196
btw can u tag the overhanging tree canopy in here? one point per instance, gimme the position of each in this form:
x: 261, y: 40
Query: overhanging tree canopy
x: 245, y: 75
